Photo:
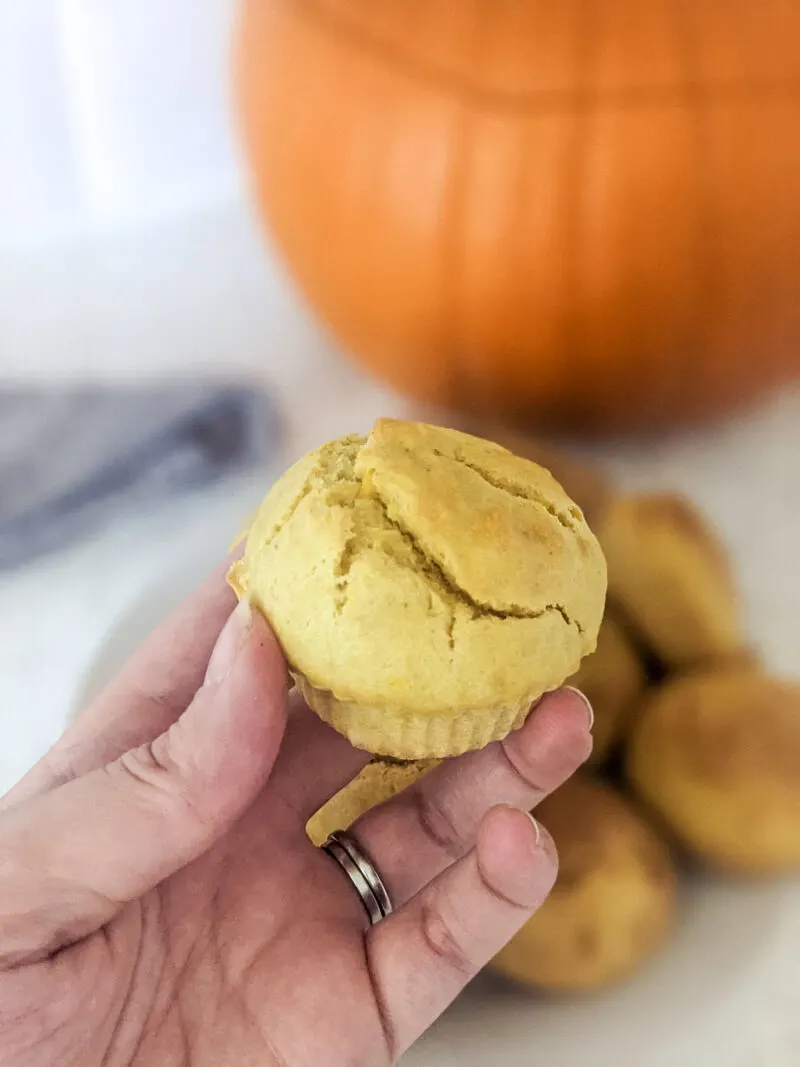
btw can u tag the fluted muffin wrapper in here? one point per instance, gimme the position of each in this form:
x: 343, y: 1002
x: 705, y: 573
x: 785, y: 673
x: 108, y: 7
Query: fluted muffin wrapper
x: 411, y: 735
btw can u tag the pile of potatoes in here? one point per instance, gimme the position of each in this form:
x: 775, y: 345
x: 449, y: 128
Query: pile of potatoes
x: 696, y: 748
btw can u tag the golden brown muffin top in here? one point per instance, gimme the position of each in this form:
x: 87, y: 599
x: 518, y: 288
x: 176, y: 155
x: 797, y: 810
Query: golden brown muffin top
x: 591, y: 488
x: 425, y: 569
x: 452, y: 493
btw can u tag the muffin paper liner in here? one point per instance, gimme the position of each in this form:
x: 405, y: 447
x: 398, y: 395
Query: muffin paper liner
x: 409, y: 735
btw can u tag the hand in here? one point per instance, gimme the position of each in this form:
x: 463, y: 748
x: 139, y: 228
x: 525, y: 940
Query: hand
x: 161, y: 905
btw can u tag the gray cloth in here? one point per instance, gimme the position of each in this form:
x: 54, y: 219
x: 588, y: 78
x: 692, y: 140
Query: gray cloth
x: 72, y: 459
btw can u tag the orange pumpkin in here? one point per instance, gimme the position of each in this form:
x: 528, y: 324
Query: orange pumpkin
x: 582, y: 211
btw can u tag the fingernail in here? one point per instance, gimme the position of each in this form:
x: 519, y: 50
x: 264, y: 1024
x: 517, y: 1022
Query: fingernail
x: 537, y: 828
x: 229, y: 643
x: 586, y: 702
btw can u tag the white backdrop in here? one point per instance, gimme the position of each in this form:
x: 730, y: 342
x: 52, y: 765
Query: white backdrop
x: 112, y: 113
x: 127, y: 246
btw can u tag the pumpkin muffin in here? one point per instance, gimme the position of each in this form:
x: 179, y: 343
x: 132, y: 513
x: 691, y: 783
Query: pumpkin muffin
x: 671, y: 577
x: 426, y: 586
x: 717, y: 756
x: 380, y: 780
x: 613, y: 679
x: 591, y: 488
x: 614, y: 899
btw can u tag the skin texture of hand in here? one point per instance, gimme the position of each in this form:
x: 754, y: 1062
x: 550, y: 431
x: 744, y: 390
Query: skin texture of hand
x: 161, y: 906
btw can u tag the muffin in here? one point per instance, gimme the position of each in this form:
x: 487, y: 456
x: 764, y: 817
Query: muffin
x: 380, y: 780
x: 591, y: 488
x: 426, y: 586
x: 717, y: 756
x: 613, y: 903
x: 614, y: 679
x: 670, y: 576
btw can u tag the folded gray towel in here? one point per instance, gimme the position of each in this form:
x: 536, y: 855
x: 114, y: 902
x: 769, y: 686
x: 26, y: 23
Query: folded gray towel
x: 70, y: 459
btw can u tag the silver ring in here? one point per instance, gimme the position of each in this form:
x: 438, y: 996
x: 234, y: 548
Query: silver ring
x: 360, y: 870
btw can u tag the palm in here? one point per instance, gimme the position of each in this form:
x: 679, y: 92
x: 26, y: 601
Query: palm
x: 262, y: 926
x: 211, y: 967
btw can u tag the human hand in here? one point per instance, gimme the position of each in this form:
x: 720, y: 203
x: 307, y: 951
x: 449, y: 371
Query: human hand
x: 160, y: 903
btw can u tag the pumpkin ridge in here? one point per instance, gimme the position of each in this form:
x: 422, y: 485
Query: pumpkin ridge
x: 580, y: 217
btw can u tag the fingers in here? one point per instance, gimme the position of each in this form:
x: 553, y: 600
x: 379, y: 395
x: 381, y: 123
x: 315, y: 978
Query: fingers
x: 72, y: 857
x: 421, y: 957
x: 145, y: 699
x: 433, y: 822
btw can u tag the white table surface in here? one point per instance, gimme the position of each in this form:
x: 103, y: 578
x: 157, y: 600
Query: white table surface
x: 135, y: 305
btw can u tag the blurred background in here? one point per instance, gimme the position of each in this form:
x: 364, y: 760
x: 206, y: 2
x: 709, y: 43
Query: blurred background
x: 232, y: 230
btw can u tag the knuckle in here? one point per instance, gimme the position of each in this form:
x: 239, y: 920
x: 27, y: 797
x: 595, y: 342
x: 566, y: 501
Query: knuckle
x: 149, y: 765
x: 524, y: 767
x: 436, y: 822
x: 442, y: 943
x: 157, y: 776
x: 543, y: 764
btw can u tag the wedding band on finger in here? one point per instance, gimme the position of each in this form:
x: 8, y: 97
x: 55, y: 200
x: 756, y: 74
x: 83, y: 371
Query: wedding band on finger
x: 362, y: 873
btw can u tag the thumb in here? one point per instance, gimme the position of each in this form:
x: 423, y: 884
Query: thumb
x: 72, y: 858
